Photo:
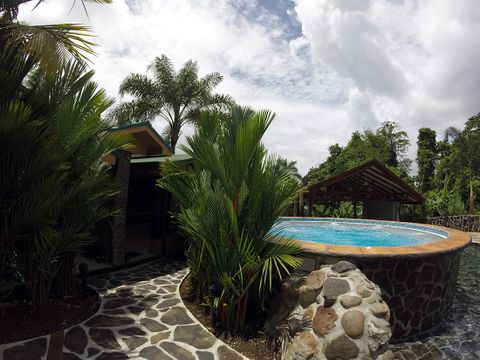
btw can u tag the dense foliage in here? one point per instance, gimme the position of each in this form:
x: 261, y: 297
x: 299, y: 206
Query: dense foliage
x: 426, y: 158
x: 228, y: 206
x: 53, y: 184
x: 387, y: 144
x: 459, y: 162
x: 177, y: 97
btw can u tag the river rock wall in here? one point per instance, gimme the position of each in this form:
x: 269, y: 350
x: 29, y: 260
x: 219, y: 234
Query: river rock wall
x: 334, y: 313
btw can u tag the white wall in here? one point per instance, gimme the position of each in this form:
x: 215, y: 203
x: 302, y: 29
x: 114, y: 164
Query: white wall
x: 381, y: 210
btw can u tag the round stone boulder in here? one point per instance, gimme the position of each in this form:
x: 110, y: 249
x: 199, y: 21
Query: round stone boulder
x: 353, y: 322
x: 380, y: 310
x: 349, y: 301
x: 311, y: 287
x: 343, y: 266
x: 302, y: 347
x: 341, y: 347
x: 324, y: 320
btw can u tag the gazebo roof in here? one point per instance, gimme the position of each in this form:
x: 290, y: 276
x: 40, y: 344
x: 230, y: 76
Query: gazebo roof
x: 369, y: 181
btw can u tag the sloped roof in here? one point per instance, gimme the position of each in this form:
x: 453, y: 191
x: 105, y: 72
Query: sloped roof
x: 369, y: 181
x: 162, y: 159
x: 145, y: 139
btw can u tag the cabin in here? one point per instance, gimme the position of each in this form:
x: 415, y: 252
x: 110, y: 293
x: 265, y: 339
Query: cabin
x: 140, y: 229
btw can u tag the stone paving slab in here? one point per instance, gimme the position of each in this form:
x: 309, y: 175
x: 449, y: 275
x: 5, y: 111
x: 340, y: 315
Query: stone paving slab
x: 141, y: 316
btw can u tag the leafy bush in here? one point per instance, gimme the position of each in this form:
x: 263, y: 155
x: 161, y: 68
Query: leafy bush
x: 342, y: 209
x: 228, y: 206
x: 53, y: 184
x: 444, y: 203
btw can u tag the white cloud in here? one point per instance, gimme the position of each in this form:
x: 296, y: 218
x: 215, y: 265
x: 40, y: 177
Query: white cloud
x: 414, y: 62
x: 354, y: 64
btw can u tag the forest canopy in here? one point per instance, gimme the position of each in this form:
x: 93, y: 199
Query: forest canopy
x: 448, y: 173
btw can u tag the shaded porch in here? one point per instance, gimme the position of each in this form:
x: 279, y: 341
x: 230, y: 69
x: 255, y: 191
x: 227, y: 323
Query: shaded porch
x: 372, y: 184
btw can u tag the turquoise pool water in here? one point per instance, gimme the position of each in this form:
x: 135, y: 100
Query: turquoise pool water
x: 358, y: 232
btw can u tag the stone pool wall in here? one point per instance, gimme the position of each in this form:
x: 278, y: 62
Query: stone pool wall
x: 418, y: 289
x: 468, y: 223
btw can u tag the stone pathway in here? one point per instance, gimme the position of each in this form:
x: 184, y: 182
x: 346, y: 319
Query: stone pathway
x: 141, y: 316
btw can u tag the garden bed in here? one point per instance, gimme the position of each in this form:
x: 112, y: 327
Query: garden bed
x: 20, y: 322
x: 253, y: 343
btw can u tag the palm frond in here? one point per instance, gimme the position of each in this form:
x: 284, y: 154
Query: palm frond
x: 228, y: 207
x: 52, y: 44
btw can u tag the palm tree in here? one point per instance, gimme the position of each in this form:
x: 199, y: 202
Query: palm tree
x: 177, y: 97
x: 290, y: 167
x: 52, y: 45
x: 228, y: 207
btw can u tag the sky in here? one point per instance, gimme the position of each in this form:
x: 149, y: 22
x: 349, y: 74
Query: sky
x: 325, y: 67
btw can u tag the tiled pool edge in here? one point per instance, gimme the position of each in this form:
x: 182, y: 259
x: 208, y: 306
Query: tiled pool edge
x: 456, y: 241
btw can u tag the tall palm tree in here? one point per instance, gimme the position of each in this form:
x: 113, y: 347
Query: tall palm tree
x: 228, y: 207
x: 52, y: 44
x: 177, y: 97
x: 290, y: 167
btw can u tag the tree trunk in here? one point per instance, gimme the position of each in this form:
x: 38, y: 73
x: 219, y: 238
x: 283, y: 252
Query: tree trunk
x: 471, y: 198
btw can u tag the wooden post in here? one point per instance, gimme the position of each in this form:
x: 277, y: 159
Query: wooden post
x: 122, y: 173
x: 301, y: 210
x: 310, y: 203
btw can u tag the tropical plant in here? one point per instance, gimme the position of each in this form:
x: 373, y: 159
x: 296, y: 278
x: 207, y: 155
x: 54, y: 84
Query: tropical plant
x: 53, y: 184
x: 444, y: 202
x: 387, y: 144
x: 283, y: 165
x: 460, y: 161
x: 345, y: 209
x: 426, y: 158
x: 177, y: 97
x: 53, y: 45
x: 397, y: 144
x: 228, y: 208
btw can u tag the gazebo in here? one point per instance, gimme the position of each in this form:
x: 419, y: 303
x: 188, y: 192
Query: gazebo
x: 379, y: 190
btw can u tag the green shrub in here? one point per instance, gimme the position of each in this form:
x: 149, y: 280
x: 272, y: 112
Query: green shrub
x: 53, y: 184
x: 228, y: 206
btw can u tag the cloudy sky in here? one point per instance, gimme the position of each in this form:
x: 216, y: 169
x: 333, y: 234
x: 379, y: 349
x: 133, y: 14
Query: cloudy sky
x: 325, y: 67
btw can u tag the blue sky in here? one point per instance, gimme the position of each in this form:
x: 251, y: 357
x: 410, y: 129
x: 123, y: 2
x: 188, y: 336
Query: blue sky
x: 325, y: 67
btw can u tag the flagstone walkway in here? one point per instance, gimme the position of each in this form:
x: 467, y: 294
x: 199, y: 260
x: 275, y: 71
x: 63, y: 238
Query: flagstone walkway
x: 141, y: 316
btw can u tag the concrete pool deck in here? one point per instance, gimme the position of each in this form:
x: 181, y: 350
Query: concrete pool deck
x: 475, y: 237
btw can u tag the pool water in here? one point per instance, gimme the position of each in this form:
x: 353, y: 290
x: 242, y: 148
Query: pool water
x: 357, y: 232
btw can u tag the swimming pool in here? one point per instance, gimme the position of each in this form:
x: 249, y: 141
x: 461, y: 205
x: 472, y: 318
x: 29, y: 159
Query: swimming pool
x: 415, y: 265
x: 358, y: 232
